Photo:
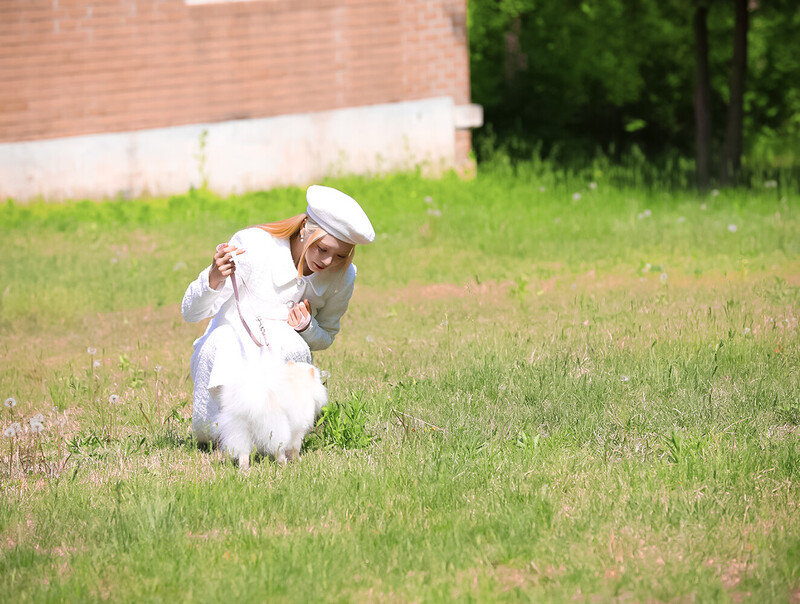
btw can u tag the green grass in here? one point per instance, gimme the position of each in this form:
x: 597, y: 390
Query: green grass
x: 537, y: 397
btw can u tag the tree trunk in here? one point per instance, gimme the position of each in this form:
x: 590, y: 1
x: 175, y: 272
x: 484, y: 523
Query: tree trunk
x: 732, y: 145
x: 702, y: 97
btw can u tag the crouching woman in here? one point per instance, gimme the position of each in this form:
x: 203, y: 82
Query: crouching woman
x: 275, y: 291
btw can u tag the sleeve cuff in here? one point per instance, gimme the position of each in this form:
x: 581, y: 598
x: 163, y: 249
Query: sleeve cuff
x: 316, y: 337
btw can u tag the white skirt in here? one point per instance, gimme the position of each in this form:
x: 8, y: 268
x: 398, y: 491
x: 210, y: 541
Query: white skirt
x: 219, y: 358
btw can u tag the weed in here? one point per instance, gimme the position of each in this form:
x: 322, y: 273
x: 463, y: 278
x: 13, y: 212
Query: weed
x: 342, y: 425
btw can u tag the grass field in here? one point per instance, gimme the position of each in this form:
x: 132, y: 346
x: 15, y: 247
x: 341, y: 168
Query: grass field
x: 544, y: 390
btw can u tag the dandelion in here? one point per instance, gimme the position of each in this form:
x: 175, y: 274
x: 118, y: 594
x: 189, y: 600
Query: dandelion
x: 158, y: 368
x: 10, y: 402
x: 96, y: 364
x: 703, y: 207
x: 715, y: 193
x: 625, y: 379
x: 428, y: 199
x: 576, y: 197
x: 771, y: 184
x: 37, y: 419
x: 542, y: 189
x: 91, y: 350
x: 747, y: 331
x: 37, y: 427
x: 663, y: 277
x: 592, y: 185
x: 647, y: 213
x: 10, y: 432
x: 733, y: 228
x: 434, y: 212
x: 681, y: 219
x: 113, y: 399
x: 370, y: 339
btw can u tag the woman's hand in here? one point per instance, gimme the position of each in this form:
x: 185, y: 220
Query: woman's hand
x: 222, y: 266
x: 300, y: 316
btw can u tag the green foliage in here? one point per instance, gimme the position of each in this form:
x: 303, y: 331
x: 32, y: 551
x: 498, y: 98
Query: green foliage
x: 568, y: 78
x: 342, y: 424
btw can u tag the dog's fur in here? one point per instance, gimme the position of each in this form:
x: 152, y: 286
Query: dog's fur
x: 271, y: 412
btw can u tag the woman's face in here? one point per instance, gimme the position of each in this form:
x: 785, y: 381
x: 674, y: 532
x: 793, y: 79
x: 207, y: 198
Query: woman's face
x: 327, y: 252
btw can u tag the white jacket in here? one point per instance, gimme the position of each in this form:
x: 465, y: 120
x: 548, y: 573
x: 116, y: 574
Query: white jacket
x: 268, y: 287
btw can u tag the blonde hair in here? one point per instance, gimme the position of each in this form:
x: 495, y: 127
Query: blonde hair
x: 289, y: 227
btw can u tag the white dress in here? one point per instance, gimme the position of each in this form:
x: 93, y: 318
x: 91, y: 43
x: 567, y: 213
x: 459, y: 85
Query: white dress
x: 271, y: 289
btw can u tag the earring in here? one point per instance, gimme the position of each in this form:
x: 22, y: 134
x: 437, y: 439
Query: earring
x: 302, y: 237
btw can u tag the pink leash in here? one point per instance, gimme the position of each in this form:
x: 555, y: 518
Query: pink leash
x: 241, y: 316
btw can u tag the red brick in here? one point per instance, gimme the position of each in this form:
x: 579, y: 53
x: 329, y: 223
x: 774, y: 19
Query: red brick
x: 147, y: 64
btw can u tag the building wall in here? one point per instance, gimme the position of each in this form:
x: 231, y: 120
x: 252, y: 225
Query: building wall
x: 77, y: 67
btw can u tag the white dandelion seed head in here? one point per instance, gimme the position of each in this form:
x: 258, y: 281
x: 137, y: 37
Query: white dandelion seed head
x: 434, y: 212
x: 428, y: 199
x: 647, y: 213
x: 96, y: 364
x: 37, y: 419
x: 113, y: 399
x: 370, y: 339
x: 542, y: 189
x: 625, y: 378
x: 592, y: 185
x: 703, y: 207
x: 576, y: 197
x: 158, y: 368
x: 37, y: 427
x: 663, y: 277
x: 681, y: 219
x: 91, y: 350
x: 747, y: 331
x: 715, y: 193
x: 10, y: 402
x: 733, y: 228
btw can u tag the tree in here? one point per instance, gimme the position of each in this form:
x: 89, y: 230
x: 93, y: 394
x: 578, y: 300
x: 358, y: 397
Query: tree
x: 732, y: 144
x: 702, y: 96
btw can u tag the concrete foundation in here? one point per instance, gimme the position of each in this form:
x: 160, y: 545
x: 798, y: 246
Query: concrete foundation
x: 235, y: 156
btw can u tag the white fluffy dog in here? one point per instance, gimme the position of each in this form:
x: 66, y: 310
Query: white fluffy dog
x: 271, y: 411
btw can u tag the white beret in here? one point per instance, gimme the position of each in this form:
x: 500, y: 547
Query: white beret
x: 339, y: 215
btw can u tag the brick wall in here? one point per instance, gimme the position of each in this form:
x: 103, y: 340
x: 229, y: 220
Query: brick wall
x: 74, y: 67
